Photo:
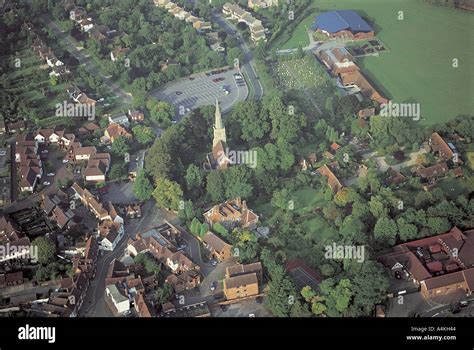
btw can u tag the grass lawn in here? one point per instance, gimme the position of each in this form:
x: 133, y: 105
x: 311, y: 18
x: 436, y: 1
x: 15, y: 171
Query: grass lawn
x: 470, y: 159
x: 418, y: 67
x: 300, y: 35
x: 319, y: 229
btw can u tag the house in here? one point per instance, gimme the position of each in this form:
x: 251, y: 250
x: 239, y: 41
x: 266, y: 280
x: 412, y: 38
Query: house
x: 234, y: 11
x: 343, y: 24
x: 243, y: 269
x: 193, y: 310
x: 338, y: 60
x: 11, y: 279
x: 161, y: 243
x: 120, y: 119
x: 440, y: 265
x: 440, y: 148
x: 394, y: 177
x: 356, y: 79
x: 219, y: 249
x: 136, y: 115
x: 97, y: 167
x: 118, y: 297
x: 261, y: 3
x: 233, y: 212
x: 15, y: 127
x: 333, y: 181
x: 113, y: 132
x: 110, y: 233
x: 119, y: 53
x: 241, y: 286
x: 86, y: 24
x: 83, y: 153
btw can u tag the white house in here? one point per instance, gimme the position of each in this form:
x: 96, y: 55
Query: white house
x: 120, y: 119
x: 120, y: 301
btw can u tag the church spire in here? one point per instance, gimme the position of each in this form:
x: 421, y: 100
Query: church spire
x: 219, y: 128
x: 218, y: 117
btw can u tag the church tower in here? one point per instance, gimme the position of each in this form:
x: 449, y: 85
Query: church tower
x: 219, y: 128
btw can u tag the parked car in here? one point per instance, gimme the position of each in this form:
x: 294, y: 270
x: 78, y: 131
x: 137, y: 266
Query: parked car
x: 50, y: 174
x: 223, y: 308
x: 214, y: 262
x: 464, y: 303
x: 251, y: 315
x: 191, y: 78
x: 258, y: 300
x: 65, y: 161
x: 178, y: 93
x: 44, y: 151
x: 218, y: 80
x: 213, y: 286
x: 46, y: 183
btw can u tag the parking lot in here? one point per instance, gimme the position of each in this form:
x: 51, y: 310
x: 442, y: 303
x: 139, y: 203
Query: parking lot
x: 203, y: 89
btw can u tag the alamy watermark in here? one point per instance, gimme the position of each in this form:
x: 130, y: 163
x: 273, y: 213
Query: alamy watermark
x: 238, y: 157
x: 8, y: 252
x: 79, y: 110
x: 407, y: 110
x: 339, y: 252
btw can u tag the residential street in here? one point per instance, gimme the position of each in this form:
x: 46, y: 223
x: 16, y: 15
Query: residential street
x: 87, y: 62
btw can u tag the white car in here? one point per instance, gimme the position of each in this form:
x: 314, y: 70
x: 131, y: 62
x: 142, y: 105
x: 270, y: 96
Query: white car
x: 44, y: 151
x: 65, y: 161
x: 46, y: 183
x: 213, y: 262
x: 251, y: 315
x: 50, y: 174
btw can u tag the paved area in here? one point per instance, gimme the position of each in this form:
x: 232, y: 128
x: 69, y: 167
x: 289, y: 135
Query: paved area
x: 119, y: 193
x: 241, y: 309
x: 203, y: 89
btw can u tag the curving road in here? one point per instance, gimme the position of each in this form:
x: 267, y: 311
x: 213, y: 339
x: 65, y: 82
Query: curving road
x: 247, y: 67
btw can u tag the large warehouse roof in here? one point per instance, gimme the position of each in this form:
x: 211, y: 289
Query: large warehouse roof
x: 335, y: 21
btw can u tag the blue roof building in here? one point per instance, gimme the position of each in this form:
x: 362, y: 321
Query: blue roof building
x: 335, y: 21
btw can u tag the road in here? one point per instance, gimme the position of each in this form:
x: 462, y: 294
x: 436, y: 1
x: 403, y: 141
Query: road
x: 247, y: 66
x: 86, y: 61
x: 94, y: 303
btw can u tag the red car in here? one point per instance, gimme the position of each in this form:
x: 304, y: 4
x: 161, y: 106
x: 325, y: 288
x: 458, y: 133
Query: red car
x: 217, y: 80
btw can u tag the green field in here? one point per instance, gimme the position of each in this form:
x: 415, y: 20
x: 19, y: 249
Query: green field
x: 418, y: 67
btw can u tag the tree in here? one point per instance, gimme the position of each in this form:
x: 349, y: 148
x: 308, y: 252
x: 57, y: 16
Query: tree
x: 215, y: 186
x: 194, y: 180
x: 143, y: 134
x: 164, y: 294
x: 117, y: 171
x: 142, y: 187
x: 120, y: 147
x: 237, y: 182
x: 46, y: 249
x: 160, y: 111
x: 385, y: 231
x: 167, y: 193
